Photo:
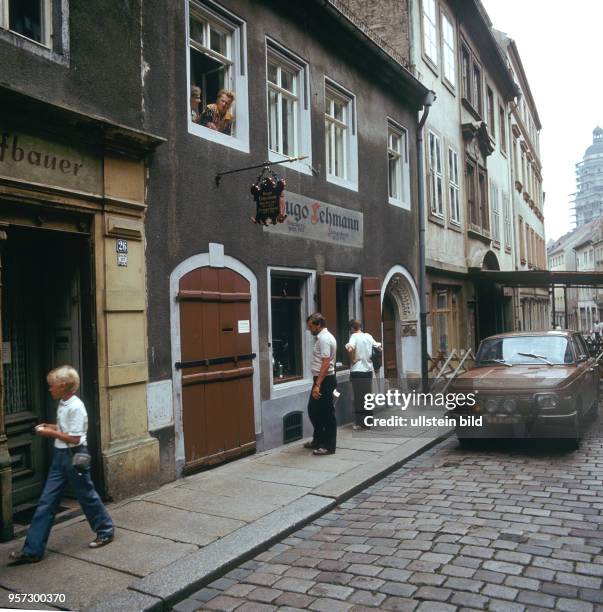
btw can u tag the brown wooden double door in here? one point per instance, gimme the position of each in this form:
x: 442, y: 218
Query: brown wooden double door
x: 217, y: 366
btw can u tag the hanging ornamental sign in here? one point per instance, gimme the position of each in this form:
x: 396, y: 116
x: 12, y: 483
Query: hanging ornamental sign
x: 269, y: 194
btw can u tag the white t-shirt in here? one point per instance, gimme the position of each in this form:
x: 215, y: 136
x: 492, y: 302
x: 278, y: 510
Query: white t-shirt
x: 363, y: 344
x: 72, y: 419
x: 325, y: 346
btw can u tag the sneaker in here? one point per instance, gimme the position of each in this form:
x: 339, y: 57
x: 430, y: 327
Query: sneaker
x: 319, y: 452
x: 101, y: 541
x: 18, y: 557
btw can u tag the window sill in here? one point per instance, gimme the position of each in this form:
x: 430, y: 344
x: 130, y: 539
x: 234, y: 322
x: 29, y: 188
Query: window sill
x: 223, y: 139
x: 399, y: 203
x: 480, y: 234
x: 346, y: 184
x: 455, y: 226
x: 430, y: 63
x: 449, y: 86
x: 302, y: 166
x: 34, y: 47
x: 469, y: 108
x: 290, y: 387
x: 437, y: 219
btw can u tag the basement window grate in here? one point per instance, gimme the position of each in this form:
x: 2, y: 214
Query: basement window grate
x: 292, y: 427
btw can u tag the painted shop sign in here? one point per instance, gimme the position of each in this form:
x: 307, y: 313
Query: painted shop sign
x: 35, y: 160
x: 308, y: 218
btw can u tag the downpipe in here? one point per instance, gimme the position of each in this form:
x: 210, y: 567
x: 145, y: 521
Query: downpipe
x: 427, y: 102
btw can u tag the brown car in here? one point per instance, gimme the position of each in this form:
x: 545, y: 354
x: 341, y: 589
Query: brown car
x: 528, y: 384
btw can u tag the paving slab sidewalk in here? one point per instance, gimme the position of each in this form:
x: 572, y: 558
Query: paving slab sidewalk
x: 173, y: 541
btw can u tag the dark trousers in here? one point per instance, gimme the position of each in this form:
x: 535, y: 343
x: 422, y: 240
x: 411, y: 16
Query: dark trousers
x: 362, y: 383
x: 61, y: 472
x: 322, y: 415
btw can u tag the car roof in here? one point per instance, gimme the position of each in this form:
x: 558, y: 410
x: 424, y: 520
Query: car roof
x: 565, y: 333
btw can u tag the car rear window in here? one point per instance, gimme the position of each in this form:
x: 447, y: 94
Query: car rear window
x: 555, y: 349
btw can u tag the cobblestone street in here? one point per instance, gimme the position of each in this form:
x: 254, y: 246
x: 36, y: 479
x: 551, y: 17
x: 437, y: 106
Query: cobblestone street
x: 501, y: 527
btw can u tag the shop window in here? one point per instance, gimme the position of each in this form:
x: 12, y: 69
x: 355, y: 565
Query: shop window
x: 286, y: 309
x: 445, y: 320
x: 217, y: 77
x: 340, y: 137
x: 29, y: 18
x: 436, y: 196
x: 288, y: 112
x: 398, y: 170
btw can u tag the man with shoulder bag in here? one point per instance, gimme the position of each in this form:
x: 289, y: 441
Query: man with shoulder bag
x: 365, y: 356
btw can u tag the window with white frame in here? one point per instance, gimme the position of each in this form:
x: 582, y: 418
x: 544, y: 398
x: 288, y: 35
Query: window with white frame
x: 29, y: 18
x: 217, y: 76
x: 507, y: 218
x: 287, y: 318
x: 340, y: 136
x: 453, y: 185
x: 495, y: 212
x: 398, y: 170
x: 430, y: 38
x: 288, y: 111
x: 448, y: 50
x: 436, y: 178
x: 283, y: 102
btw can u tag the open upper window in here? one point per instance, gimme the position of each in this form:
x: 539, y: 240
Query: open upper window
x: 288, y: 109
x: 29, y: 18
x: 217, y: 85
x: 340, y: 136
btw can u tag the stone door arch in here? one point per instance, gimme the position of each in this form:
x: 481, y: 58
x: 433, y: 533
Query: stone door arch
x: 400, y: 290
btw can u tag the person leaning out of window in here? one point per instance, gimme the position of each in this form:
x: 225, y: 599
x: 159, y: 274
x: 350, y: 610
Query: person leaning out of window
x: 195, y: 101
x: 360, y: 347
x: 218, y: 116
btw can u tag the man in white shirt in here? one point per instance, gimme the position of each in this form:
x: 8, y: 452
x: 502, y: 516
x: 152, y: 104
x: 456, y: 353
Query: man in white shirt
x: 360, y: 348
x: 321, y: 409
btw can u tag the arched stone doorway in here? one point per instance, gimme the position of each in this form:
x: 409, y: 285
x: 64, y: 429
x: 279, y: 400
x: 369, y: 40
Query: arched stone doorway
x: 400, y: 319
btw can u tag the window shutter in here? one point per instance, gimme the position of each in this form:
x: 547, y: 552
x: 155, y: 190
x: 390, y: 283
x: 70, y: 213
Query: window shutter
x: 327, y: 300
x: 371, y: 306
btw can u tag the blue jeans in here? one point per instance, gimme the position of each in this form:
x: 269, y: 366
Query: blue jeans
x: 61, y: 472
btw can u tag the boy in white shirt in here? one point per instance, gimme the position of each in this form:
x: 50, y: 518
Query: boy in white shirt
x: 69, y: 435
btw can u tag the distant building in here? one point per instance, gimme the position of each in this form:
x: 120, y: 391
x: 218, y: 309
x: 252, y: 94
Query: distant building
x: 578, y: 250
x: 589, y: 181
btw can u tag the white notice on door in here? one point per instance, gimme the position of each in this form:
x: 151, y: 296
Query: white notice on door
x: 244, y: 326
